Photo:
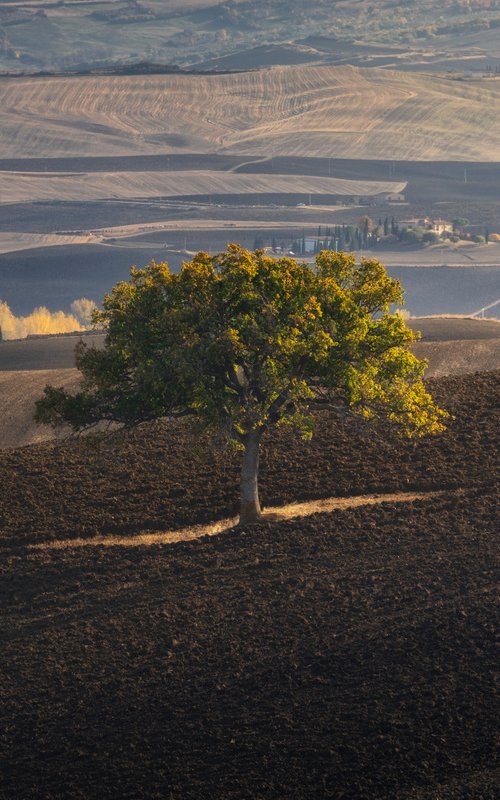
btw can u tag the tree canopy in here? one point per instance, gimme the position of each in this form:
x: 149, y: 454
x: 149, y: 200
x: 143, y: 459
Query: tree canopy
x: 245, y: 341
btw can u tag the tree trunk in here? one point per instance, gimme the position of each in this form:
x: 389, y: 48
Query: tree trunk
x: 249, y: 503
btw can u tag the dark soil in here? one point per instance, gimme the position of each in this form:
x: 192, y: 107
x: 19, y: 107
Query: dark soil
x: 345, y: 655
x: 161, y: 474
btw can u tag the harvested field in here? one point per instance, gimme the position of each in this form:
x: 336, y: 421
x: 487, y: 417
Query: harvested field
x: 11, y: 242
x: 453, y: 329
x: 459, y: 357
x: 25, y: 187
x: 345, y: 655
x: 301, y: 111
x: 42, y: 352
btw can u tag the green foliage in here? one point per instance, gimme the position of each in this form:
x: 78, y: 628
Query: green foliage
x: 411, y: 235
x: 245, y: 341
x: 431, y: 237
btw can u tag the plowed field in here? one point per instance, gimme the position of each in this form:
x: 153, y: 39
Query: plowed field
x: 342, y: 655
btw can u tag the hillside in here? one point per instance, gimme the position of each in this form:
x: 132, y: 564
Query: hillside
x: 156, y: 476
x: 451, y: 347
x: 76, y: 35
x: 300, y: 110
x: 16, y: 188
x: 347, y: 654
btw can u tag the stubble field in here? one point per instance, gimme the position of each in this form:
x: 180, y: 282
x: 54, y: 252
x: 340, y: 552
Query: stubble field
x: 22, y: 188
x: 302, y: 111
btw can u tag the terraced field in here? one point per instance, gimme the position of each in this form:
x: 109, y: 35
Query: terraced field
x: 298, y: 110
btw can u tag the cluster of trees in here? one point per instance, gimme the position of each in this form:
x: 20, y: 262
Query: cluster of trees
x: 346, y: 238
x: 368, y: 234
x: 416, y: 235
x: 243, y: 342
x: 132, y: 11
x: 459, y: 232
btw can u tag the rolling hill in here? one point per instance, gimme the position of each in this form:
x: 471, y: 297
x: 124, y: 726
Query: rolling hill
x: 343, y: 112
x: 16, y: 188
x: 345, y: 654
x: 42, y: 34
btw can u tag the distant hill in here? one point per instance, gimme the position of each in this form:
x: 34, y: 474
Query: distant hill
x: 300, y: 110
x: 60, y: 36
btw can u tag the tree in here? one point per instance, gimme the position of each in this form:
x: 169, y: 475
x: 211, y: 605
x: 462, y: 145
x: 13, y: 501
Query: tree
x: 244, y: 342
x: 411, y: 235
x: 365, y: 227
x: 459, y: 223
x: 431, y: 237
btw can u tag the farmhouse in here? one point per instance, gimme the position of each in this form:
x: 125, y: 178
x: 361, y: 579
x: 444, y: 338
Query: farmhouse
x: 436, y: 225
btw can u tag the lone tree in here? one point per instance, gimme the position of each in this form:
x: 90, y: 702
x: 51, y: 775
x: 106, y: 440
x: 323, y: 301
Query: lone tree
x: 244, y: 342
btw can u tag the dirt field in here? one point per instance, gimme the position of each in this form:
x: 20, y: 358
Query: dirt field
x: 344, y: 655
x: 128, y: 485
x: 18, y: 392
